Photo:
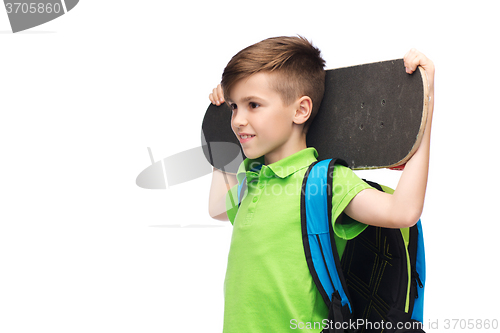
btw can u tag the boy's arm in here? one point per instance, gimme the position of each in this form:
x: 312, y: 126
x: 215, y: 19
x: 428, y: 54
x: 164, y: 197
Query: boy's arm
x: 404, y: 207
x: 221, y: 181
x: 221, y: 184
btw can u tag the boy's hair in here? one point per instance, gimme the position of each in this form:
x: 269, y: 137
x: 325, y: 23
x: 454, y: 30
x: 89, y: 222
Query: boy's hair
x: 298, y: 66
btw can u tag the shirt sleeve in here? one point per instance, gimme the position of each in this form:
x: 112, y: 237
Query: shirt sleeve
x: 346, y: 185
x: 232, y: 203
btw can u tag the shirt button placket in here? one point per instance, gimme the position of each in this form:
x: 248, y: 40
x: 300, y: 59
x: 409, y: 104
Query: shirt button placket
x: 251, y: 206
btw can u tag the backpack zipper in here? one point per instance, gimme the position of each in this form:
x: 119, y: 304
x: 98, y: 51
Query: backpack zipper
x: 416, y: 281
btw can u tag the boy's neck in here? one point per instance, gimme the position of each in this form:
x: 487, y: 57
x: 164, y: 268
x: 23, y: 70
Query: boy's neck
x: 290, y: 148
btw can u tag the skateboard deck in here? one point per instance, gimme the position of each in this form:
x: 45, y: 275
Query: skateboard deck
x: 372, y: 116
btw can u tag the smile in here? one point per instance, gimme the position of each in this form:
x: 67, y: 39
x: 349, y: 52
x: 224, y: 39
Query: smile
x: 245, y: 138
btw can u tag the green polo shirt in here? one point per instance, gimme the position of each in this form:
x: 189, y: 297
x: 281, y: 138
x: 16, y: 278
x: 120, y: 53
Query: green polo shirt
x: 268, y: 287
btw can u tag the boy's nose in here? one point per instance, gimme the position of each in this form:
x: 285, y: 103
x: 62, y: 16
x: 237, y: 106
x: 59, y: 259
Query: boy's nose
x: 239, y: 119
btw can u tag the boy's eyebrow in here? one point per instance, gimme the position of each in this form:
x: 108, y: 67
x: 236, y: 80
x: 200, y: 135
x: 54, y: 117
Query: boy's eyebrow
x: 245, y: 99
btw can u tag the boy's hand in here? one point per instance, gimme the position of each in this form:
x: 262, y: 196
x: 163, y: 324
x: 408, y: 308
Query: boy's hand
x: 415, y: 58
x: 217, y: 96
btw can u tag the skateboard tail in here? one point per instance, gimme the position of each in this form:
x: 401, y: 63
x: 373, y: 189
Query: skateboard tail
x: 400, y: 165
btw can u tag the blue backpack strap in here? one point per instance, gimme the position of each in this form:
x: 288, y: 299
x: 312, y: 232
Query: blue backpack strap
x: 243, y: 185
x: 317, y: 236
x: 419, y: 275
x: 240, y: 188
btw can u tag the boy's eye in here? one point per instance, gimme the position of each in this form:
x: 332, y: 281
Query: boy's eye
x: 233, y: 106
x: 253, y: 105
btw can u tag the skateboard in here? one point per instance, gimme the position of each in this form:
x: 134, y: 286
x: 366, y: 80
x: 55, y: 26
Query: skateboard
x: 372, y: 116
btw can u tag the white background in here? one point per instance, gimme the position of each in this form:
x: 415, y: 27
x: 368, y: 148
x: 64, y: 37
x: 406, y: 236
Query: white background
x: 83, y: 249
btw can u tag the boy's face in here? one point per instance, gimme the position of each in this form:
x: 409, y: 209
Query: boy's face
x: 260, y: 120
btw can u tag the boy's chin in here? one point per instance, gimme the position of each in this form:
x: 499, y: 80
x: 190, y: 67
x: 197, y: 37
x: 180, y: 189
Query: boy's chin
x: 250, y: 155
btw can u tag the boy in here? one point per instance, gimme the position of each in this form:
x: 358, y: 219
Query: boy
x: 275, y: 88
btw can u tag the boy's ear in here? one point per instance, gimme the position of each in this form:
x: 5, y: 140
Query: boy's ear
x: 303, y: 110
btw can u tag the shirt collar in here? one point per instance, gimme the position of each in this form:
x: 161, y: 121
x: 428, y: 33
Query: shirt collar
x: 282, y: 168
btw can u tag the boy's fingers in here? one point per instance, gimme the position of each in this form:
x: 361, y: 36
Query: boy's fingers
x: 411, y: 60
x: 220, y: 93
x: 214, y: 98
x: 217, y: 95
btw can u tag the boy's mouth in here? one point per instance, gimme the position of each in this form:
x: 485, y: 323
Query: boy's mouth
x: 245, y: 137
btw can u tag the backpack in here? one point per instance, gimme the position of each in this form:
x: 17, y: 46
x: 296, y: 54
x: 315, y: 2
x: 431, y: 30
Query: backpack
x: 378, y: 285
